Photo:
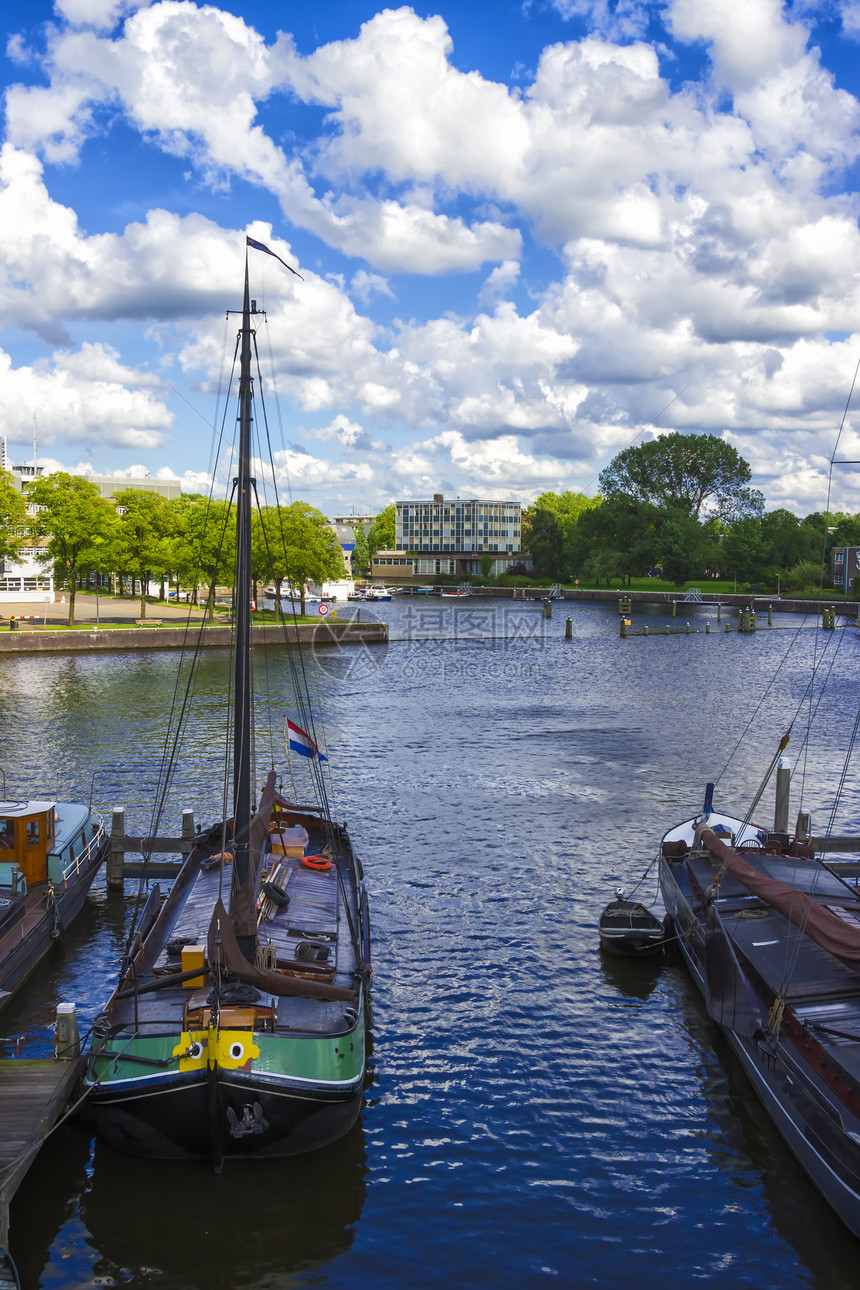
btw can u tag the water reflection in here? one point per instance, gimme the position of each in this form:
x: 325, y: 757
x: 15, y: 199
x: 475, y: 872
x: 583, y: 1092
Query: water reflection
x: 87, y: 1215
x: 633, y: 978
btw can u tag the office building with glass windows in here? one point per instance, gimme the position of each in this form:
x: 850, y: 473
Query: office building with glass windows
x: 451, y: 536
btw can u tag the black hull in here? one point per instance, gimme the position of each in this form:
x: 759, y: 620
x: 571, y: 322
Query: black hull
x: 804, y: 1110
x: 631, y: 946
x: 630, y: 930
x: 189, y: 1120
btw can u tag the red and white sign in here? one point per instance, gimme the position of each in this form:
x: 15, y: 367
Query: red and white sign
x: 322, y: 609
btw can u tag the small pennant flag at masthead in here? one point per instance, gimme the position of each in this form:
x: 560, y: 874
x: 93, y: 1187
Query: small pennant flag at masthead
x: 261, y: 246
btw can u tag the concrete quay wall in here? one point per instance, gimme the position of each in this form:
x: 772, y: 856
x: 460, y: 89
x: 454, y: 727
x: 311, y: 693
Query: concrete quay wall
x: 35, y: 641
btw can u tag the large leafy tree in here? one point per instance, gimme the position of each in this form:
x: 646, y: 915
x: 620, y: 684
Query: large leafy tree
x: 204, y: 550
x: 79, y: 523
x: 380, y: 535
x: 681, y: 547
x: 686, y: 473
x: 549, y: 529
x: 13, y: 517
x: 313, y: 553
x: 144, y: 545
x: 622, y: 528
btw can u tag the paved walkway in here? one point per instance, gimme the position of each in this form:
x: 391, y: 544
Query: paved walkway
x: 91, y: 609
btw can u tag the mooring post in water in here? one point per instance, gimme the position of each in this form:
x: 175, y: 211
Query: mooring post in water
x: 116, y: 855
x: 674, y: 608
x: 783, y: 787
x: 687, y: 630
x: 187, y: 831
x: 803, y: 827
x: 770, y: 624
x: 67, y: 1041
x: 645, y: 631
x: 668, y: 629
x: 624, y: 627
x: 568, y: 629
x: 719, y: 612
x: 707, y: 629
x: 547, y: 609
x: 728, y: 627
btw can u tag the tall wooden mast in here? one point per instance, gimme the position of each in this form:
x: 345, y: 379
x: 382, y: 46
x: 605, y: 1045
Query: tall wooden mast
x: 242, y: 751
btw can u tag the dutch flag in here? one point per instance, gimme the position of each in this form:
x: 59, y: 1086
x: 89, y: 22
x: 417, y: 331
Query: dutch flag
x: 301, y: 742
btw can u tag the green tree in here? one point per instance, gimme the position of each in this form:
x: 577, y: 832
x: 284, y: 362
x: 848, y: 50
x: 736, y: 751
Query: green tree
x: 806, y: 575
x: 680, y: 547
x: 785, y: 541
x: 380, y: 535
x: 746, y: 550
x: 205, y: 549
x: 268, y: 555
x: 313, y: 553
x: 361, y: 553
x: 144, y: 545
x: 627, y: 529
x: 684, y: 472
x: 78, y: 522
x: 487, y: 560
x: 549, y: 530
x: 13, y: 517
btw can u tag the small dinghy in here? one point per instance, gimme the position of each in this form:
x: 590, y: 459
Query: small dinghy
x: 629, y: 929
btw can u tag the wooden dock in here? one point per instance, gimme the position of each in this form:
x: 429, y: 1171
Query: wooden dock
x: 33, y: 1095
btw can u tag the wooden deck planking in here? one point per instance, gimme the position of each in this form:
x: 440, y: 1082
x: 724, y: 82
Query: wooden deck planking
x: 33, y: 1096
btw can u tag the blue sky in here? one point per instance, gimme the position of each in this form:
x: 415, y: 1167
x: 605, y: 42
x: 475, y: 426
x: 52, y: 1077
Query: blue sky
x: 530, y: 234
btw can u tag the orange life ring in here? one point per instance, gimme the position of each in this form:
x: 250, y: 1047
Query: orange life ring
x: 319, y: 863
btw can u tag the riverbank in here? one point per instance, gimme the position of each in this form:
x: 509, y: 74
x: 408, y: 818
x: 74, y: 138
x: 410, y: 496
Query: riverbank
x: 78, y: 640
x: 740, y: 600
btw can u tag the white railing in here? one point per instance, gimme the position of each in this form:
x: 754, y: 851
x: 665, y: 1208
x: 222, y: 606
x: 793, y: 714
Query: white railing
x: 94, y: 845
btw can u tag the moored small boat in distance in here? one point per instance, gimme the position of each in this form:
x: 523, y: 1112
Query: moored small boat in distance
x: 49, y: 855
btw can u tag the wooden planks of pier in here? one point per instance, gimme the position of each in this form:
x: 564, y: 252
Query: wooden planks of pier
x: 33, y: 1095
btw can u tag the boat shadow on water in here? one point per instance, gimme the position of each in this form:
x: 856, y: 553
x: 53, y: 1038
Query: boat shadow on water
x: 637, y: 978
x: 86, y: 1216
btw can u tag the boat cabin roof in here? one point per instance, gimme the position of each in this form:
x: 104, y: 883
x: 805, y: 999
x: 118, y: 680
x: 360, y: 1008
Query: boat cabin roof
x: 13, y: 810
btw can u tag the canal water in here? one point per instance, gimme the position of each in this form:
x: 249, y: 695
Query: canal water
x: 539, y: 1114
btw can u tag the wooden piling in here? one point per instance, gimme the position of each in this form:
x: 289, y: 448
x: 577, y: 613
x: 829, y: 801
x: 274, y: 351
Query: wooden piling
x: 783, y: 787
x: 116, y: 856
x: 123, y: 844
x: 568, y: 629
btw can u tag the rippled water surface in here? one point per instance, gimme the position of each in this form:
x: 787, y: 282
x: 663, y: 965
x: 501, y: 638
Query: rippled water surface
x: 539, y: 1114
